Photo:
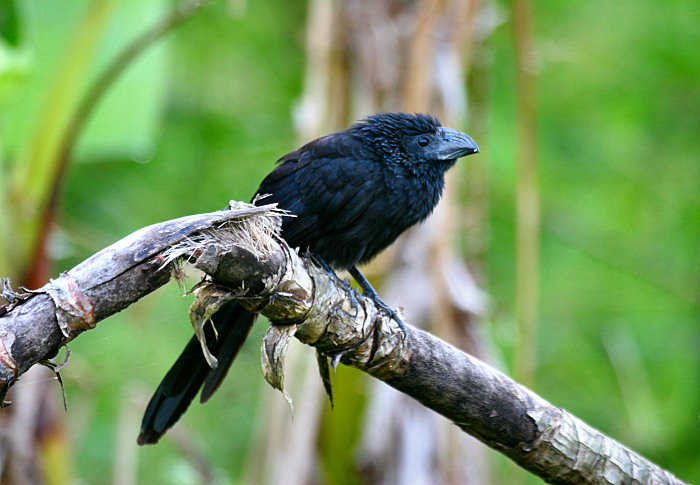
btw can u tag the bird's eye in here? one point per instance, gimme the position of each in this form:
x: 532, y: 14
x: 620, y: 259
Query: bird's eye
x: 423, y: 141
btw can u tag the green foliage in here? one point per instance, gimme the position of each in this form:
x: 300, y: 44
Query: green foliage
x: 619, y: 113
x: 203, y: 115
x: 196, y: 121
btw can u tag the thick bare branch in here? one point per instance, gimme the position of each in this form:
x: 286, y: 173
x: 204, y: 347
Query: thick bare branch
x: 240, y: 251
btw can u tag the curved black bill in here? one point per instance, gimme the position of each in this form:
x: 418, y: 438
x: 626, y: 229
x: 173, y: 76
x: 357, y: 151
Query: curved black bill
x: 454, y: 144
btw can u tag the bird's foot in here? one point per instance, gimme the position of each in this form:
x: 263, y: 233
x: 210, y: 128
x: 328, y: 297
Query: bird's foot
x: 344, y: 283
x: 393, y: 314
x: 369, y: 291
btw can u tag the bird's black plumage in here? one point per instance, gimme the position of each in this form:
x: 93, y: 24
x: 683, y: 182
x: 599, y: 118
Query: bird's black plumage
x: 353, y: 193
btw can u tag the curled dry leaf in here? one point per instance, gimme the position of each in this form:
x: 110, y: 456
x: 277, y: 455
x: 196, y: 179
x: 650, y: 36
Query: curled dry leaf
x: 274, y: 349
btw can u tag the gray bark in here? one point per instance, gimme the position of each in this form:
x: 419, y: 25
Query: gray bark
x: 240, y: 251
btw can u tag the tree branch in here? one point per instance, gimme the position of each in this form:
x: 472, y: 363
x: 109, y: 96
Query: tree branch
x: 240, y: 251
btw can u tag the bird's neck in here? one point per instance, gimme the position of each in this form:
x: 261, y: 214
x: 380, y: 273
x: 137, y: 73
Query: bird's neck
x: 425, y: 182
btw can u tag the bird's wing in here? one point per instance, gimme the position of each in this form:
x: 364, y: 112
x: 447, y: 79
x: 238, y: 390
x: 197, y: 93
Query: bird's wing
x: 328, y: 184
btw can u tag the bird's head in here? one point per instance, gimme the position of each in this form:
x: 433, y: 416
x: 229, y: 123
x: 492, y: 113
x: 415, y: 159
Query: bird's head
x: 415, y: 140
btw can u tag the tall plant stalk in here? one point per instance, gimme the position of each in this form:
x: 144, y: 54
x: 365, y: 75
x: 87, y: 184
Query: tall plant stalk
x: 527, y: 195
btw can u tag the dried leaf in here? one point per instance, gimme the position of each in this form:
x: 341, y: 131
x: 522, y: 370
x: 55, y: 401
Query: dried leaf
x: 274, y: 350
x: 75, y: 312
x: 208, y: 300
x: 323, y: 369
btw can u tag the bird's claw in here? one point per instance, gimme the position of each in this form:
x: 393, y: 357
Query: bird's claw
x: 393, y: 314
x: 354, y: 304
x: 369, y: 291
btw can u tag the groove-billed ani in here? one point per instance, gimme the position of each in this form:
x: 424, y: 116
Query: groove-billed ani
x: 353, y: 192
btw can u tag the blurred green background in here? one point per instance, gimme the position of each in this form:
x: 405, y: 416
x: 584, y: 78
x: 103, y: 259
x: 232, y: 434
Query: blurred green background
x: 201, y: 117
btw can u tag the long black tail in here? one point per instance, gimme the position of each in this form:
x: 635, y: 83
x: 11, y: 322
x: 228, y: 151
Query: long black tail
x: 190, y: 372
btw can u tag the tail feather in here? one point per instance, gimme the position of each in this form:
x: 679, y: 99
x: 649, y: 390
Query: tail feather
x: 230, y: 345
x: 190, y: 371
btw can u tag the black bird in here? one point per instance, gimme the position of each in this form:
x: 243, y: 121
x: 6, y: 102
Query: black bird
x: 353, y: 193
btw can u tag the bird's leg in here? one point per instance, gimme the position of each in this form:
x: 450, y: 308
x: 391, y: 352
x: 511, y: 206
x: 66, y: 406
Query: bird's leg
x: 343, y: 282
x: 370, y: 292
